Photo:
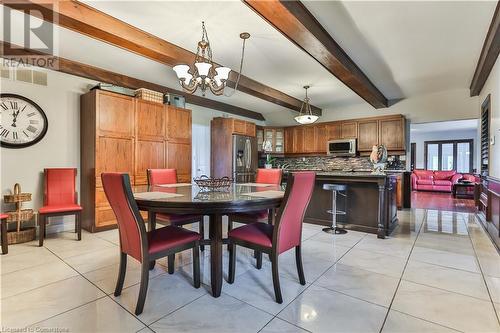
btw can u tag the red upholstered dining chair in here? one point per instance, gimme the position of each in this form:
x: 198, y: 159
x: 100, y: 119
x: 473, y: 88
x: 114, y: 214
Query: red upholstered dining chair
x: 3, y: 221
x: 60, y: 198
x: 169, y: 176
x: 264, y: 176
x: 284, y: 235
x: 140, y: 244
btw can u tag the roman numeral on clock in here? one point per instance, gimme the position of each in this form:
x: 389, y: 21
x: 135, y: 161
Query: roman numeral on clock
x: 4, y: 133
x: 31, y: 114
x: 31, y: 129
x: 15, y: 136
x: 13, y: 105
x: 4, y: 106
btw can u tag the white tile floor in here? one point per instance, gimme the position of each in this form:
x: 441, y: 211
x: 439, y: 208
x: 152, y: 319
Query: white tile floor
x: 438, y: 272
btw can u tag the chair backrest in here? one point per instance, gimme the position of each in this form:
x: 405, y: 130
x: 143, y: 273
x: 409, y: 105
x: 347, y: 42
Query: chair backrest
x: 59, y: 186
x: 288, y: 230
x: 268, y: 176
x: 133, y: 237
x: 162, y: 176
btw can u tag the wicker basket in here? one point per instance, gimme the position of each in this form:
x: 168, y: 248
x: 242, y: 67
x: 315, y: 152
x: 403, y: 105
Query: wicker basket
x: 149, y: 95
x: 24, y: 235
x: 14, y: 198
x: 23, y: 215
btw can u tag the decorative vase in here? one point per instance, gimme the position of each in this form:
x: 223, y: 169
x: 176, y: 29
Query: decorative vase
x: 268, y: 166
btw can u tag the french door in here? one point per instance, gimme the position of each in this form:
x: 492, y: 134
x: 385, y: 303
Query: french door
x: 449, y: 155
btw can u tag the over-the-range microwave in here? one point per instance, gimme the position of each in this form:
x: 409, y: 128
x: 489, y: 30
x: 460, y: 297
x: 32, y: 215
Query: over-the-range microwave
x: 342, y: 147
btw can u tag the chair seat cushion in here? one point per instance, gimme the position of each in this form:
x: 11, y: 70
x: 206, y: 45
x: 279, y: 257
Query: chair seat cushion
x: 442, y: 183
x: 176, y: 219
x: 169, y: 237
x: 425, y: 182
x: 256, y: 216
x: 3, y: 216
x: 60, y: 209
x: 256, y: 233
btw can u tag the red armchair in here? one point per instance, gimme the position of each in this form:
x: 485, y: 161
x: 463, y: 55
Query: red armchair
x: 144, y: 246
x: 284, y: 235
x: 440, y: 181
x: 169, y: 176
x: 60, y: 198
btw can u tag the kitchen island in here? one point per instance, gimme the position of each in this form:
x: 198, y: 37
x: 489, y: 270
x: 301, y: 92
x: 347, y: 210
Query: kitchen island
x: 370, y: 205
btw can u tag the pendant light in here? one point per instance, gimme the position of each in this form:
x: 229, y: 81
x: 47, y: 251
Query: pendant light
x: 305, y: 115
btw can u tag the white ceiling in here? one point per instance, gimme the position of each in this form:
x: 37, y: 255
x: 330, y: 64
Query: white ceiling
x: 405, y: 48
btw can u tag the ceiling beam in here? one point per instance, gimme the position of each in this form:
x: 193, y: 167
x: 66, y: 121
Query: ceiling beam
x: 91, y: 22
x: 489, y: 54
x: 18, y: 53
x: 296, y: 23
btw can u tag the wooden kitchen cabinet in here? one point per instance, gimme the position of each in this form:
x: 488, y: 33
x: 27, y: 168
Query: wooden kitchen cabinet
x: 298, y: 139
x: 349, y: 130
x: 368, y: 134
x: 333, y: 131
x: 276, y: 135
x: 320, y: 136
x: 289, y: 139
x: 392, y: 133
x: 120, y: 133
x: 309, y: 140
x: 251, y: 129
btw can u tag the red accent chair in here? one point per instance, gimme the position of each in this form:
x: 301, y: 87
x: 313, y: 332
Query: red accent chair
x: 264, y: 176
x: 145, y: 246
x: 169, y: 176
x: 3, y: 221
x: 440, y: 181
x: 60, y: 198
x: 284, y: 235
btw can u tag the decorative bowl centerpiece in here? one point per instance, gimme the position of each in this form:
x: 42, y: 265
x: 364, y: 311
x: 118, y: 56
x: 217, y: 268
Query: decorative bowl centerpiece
x: 209, y: 184
x: 378, y: 157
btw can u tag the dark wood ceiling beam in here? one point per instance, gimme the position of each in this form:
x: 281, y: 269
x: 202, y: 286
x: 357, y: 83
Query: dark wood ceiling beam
x: 296, y: 23
x: 489, y: 54
x: 98, y: 74
x: 91, y: 22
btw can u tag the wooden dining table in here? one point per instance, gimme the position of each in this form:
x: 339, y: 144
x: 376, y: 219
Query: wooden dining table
x: 190, y: 199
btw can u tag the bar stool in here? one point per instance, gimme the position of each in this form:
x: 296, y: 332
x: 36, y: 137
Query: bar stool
x: 341, y: 190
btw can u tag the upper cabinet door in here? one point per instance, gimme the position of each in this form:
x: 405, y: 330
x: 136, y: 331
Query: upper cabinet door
x: 150, y: 120
x: 178, y: 125
x: 320, y: 136
x: 289, y: 133
x: 298, y: 139
x: 251, y: 129
x: 333, y: 131
x: 367, y: 134
x: 392, y: 133
x: 309, y: 139
x: 239, y: 127
x: 279, y: 140
x: 115, y: 115
x: 349, y: 130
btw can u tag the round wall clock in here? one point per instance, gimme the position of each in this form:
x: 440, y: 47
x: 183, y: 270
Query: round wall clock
x: 23, y: 122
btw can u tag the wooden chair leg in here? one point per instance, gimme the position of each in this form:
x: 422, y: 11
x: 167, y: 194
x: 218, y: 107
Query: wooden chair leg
x: 202, y: 233
x: 121, y: 274
x: 41, y: 231
x: 196, y: 266
x: 151, y: 227
x: 171, y: 263
x: 300, y: 268
x: 229, y: 228
x: 5, y: 245
x: 259, y: 259
x: 143, y: 288
x: 276, y: 278
x: 232, y: 261
x: 78, y: 225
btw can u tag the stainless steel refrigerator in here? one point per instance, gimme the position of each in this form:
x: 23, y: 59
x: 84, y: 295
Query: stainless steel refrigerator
x: 244, y: 158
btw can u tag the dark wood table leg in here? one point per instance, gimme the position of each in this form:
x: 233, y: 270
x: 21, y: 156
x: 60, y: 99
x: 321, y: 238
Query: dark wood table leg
x: 151, y: 226
x: 5, y: 247
x: 215, y: 234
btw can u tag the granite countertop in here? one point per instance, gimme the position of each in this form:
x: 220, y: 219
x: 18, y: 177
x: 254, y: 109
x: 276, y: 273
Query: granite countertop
x: 339, y: 173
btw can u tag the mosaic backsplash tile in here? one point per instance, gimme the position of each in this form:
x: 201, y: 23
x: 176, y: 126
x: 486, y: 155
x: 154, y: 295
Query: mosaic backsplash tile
x: 326, y: 163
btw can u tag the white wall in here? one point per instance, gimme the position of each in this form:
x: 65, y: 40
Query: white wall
x: 444, y: 105
x: 492, y: 86
x: 420, y: 138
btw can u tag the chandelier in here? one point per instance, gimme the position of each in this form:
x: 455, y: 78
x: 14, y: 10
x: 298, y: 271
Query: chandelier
x: 305, y: 115
x: 204, y: 74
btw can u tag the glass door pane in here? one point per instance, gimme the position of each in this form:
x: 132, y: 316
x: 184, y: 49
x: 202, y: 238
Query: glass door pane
x: 447, y: 156
x: 463, y: 157
x: 432, y: 156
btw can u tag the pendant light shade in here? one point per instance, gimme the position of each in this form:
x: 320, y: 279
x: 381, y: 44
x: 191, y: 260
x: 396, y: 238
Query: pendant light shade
x: 305, y: 115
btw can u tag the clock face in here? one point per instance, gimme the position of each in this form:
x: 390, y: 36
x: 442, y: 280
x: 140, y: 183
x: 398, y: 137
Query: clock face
x: 23, y: 122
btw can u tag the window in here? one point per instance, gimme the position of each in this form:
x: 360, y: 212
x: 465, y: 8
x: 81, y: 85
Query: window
x: 449, y: 155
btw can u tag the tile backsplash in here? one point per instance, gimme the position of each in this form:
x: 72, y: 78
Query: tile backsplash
x: 326, y: 163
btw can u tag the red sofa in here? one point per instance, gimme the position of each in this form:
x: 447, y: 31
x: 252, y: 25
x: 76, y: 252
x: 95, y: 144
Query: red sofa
x: 428, y: 180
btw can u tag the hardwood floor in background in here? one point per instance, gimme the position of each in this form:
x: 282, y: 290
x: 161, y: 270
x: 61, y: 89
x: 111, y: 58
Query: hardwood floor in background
x: 441, y: 201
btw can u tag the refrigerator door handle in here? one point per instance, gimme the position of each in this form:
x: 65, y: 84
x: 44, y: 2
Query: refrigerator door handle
x: 248, y: 154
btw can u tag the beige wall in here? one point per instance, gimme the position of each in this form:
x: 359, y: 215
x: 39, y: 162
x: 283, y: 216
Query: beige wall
x: 440, y: 106
x: 492, y: 87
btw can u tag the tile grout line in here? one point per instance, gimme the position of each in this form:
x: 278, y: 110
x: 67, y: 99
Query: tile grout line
x: 424, y: 219
x: 482, y: 275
